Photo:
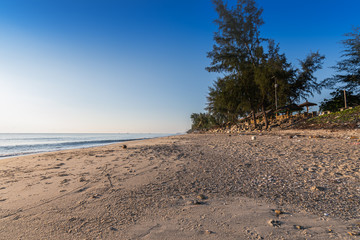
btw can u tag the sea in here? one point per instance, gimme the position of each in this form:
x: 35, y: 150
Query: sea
x: 17, y: 144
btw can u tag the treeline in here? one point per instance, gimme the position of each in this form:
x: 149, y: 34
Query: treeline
x: 256, y: 77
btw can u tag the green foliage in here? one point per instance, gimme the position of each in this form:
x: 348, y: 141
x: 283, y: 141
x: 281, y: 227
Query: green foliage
x: 342, y: 117
x: 235, y: 53
x: 337, y: 101
x: 348, y: 69
x: 305, y: 82
x: 252, y: 66
x: 203, y: 121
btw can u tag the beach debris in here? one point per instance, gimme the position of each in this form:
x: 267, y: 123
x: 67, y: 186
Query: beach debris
x: 330, y: 230
x: 201, y: 197
x: 274, y: 223
x: 208, y: 232
x: 124, y: 146
x: 253, y: 138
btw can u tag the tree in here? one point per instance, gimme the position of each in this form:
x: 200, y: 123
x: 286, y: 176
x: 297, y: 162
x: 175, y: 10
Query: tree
x: 337, y: 101
x: 272, y: 70
x: 235, y: 52
x: 305, y: 83
x: 224, y: 99
x: 348, y: 69
x: 252, y: 66
x: 202, y: 121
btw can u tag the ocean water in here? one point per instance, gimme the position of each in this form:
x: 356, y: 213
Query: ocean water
x: 16, y: 144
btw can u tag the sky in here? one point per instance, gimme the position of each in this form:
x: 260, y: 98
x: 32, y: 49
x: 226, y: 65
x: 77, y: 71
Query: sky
x: 136, y: 65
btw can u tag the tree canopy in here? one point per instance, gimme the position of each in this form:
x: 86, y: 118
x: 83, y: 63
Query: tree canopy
x: 252, y: 66
x: 337, y: 101
x: 348, y: 68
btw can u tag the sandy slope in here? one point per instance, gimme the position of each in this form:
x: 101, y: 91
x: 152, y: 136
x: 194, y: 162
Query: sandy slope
x: 150, y: 189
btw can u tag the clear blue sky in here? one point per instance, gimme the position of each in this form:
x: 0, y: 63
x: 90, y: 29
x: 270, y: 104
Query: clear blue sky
x: 134, y: 66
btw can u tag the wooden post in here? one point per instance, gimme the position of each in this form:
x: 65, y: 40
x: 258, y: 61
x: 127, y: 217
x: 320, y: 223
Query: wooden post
x: 345, y: 99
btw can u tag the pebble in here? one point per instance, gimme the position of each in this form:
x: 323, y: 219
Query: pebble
x: 298, y: 227
x: 201, y: 197
x: 317, y: 188
x: 124, y: 146
x: 278, y: 212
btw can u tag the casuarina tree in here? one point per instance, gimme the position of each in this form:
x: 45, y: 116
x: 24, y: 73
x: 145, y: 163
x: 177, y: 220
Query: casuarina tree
x: 348, y: 69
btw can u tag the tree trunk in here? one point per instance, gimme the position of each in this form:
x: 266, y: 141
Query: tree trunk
x: 265, y: 117
x: 254, y: 118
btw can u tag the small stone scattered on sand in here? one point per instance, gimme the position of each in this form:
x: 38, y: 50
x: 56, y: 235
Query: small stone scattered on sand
x: 201, y: 197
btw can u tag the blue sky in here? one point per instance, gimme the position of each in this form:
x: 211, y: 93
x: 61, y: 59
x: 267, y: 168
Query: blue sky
x: 134, y: 66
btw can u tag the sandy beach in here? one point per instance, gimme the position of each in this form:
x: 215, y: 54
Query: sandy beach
x: 276, y: 185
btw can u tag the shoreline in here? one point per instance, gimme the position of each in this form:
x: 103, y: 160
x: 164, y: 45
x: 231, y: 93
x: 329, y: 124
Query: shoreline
x: 15, y: 155
x: 151, y: 189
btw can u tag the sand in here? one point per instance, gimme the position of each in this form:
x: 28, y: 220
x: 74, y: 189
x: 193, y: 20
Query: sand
x: 202, y: 186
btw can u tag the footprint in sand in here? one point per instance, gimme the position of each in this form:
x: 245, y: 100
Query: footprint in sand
x: 44, y: 177
x: 65, y: 181
x: 63, y: 174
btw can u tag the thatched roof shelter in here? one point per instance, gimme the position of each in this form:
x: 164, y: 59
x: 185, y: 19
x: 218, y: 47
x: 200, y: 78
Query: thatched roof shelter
x: 307, y: 105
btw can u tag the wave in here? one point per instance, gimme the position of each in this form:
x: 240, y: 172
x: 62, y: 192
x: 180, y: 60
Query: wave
x: 65, y: 144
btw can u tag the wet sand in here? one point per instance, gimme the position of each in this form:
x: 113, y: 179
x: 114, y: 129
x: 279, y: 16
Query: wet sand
x: 202, y: 186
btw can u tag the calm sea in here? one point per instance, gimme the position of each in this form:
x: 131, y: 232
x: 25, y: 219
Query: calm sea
x: 16, y: 144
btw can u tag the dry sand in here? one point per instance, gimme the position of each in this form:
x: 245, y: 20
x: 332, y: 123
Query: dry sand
x: 151, y: 189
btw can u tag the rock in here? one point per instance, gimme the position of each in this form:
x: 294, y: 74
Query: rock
x: 317, y: 188
x: 299, y: 227
x: 124, y: 146
x: 253, y: 138
x: 201, y: 197
x: 208, y: 232
x: 278, y: 212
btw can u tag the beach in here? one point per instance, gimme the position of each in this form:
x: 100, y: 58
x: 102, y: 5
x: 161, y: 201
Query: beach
x: 270, y: 185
